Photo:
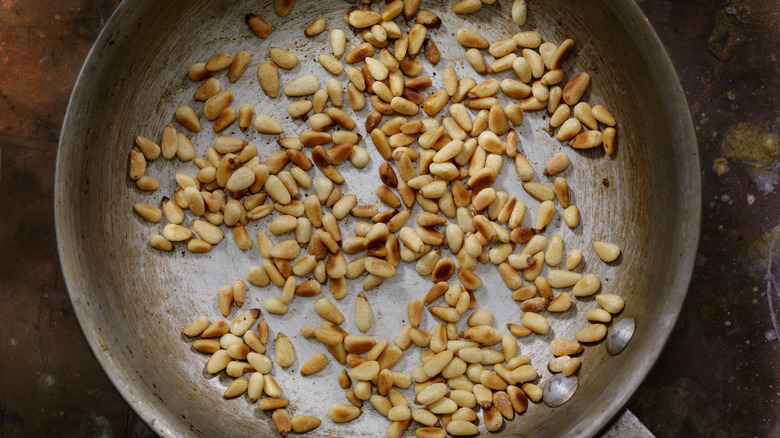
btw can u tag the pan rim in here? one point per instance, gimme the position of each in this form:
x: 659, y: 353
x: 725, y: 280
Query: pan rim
x: 164, y: 424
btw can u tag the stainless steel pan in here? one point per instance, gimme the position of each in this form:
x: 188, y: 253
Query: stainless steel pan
x: 132, y: 301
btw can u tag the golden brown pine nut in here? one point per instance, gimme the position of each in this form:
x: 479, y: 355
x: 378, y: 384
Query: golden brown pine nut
x: 268, y: 77
x: 470, y: 38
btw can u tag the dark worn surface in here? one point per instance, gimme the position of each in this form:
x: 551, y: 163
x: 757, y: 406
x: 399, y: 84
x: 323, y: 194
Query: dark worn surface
x: 718, y: 375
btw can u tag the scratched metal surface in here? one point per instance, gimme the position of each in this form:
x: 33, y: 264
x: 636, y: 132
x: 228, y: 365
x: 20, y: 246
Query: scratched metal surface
x: 132, y: 301
x: 723, y: 52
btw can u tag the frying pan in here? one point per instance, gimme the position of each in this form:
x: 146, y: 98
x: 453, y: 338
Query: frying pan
x: 132, y: 301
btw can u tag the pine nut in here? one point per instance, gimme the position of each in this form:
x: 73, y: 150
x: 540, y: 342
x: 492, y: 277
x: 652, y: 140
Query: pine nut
x: 359, y: 53
x: 216, y: 103
x: 215, y: 330
x: 186, y: 116
x: 236, y: 388
x: 275, y: 305
x: 304, y: 423
x: 266, y: 125
x: 564, y: 347
x: 244, y: 321
x: 362, y: 19
x: 270, y: 387
x: 255, y: 386
x: 302, y: 86
x: 560, y: 279
x: 535, y: 322
x: 148, y: 212
x: 283, y: 58
x: 338, y: 42
x: 399, y: 413
x: 342, y: 412
x: 591, y: 333
x: 544, y: 215
x: 561, y: 303
x: 314, y: 364
x: 366, y: 371
x: 561, y: 188
x: 603, y: 115
x: 519, y: 12
x: 461, y: 382
x: 610, y: 302
x: 316, y: 27
x: 477, y: 61
x: 283, y: 7
x: 470, y: 38
x: 331, y: 64
x: 285, y: 354
x: 328, y: 311
x: 583, y: 113
x: 558, y: 163
x: 272, y: 403
x: 176, y: 233
x: 607, y: 252
x: 598, y: 315
x: 258, y: 26
x: 575, y: 88
x: 523, y: 373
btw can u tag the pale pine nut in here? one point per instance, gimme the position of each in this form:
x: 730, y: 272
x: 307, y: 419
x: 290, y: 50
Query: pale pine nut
x: 608, y: 252
x: 610, y: 302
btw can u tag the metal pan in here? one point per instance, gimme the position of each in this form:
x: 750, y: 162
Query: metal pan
x: 132, y: 301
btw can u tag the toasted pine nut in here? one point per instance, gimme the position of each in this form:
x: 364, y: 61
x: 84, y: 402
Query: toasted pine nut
x: 607, y: 252
x: 540, y: 191
x: 216, y: 103
x: 314, y: 364
x: 519, y: 12
x: 477, y: 61
x: 342, y: 412
x: 571, y: 215
x: 461, y: 428
x: 338, y: 42
x: 435, y: 102
x: 186, y: 116
x: 535, y: 322
x: 404, y: 106
x: 359, y: 53
x: 266, y: 125
x: 302, y: 86
x: 591, y: 333
x: 304, y: 423
x: 588, y: 285
x: 316, y: 27
x: 561, y: 279
x: 602, y: 114
x: 470, y: 38
x: 328, y: 311
x: 610, y: 302
x: 575, y: 88
x: 270, y: 387
x: 561, y: 303
x: 275, y: 305
x: 362, y: 19
x: 564, y: 347
x: 331, y: 64
x: 285, y: 353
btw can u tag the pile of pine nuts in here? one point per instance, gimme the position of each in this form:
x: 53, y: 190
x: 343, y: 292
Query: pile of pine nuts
x: 452, y: 172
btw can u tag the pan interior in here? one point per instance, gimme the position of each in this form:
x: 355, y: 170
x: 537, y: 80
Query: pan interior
x: 133, y: 300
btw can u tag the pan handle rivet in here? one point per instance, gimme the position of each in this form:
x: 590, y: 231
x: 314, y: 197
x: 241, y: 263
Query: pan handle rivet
x: 620, y: 335
x: 558, y: 389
